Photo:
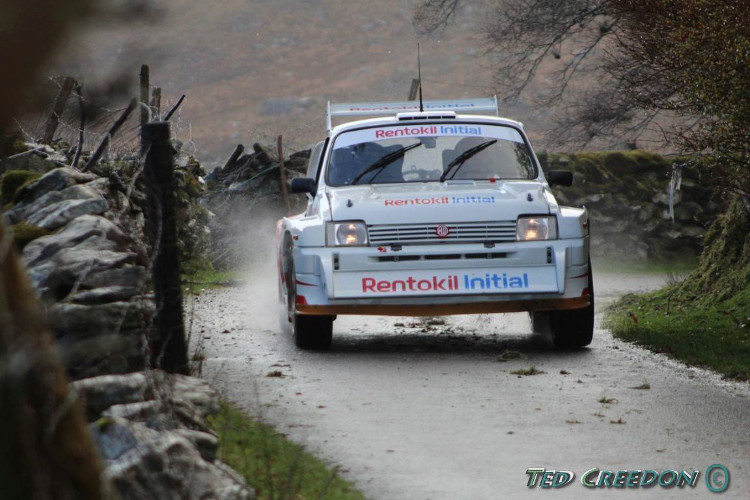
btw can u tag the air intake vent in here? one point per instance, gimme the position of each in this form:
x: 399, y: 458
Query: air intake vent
x: 431, y: 117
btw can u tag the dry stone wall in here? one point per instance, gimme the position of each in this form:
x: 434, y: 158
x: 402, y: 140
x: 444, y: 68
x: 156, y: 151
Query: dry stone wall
x: 627, y: 195
x: 90, y: 268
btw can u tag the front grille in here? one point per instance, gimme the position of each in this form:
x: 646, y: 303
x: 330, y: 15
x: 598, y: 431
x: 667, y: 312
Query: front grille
x: 458, y: 232
x: 452, y: 256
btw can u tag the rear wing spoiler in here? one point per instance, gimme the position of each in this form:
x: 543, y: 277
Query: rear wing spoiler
x: 357, y: 109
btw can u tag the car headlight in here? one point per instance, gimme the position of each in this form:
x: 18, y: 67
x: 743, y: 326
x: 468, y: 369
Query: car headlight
x: 350, y: 233
x: 533, y: 228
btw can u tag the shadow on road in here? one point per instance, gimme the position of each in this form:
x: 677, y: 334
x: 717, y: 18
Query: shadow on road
x: 437, y: 342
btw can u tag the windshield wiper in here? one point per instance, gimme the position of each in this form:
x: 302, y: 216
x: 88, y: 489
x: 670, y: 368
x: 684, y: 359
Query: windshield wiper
x: 384, y: 161
x: 460, y: 159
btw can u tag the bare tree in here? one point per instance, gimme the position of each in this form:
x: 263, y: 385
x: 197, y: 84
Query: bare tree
x: 617, y: 67
x: 548, y: 52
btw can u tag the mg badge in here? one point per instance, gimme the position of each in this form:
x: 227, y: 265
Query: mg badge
x: 442, y: 231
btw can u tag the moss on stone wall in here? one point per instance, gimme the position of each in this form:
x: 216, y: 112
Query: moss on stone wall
x: 12, y: 182
x: 24, y: 233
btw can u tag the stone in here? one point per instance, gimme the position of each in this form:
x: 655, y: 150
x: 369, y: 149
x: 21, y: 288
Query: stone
x: 692, y: 231
x: 56, y: 277
x: 171, y: 468
x: 128, y: 276
x: 176, y: 414
x: 105, y: 295
x: 112, y: 439
x: 40, y: 159
x: 591, y: 199
x: 99, y: 319
x: 54, y: 180
x: 688, y: 212
x: 206, y: 443
x: 662, y: 198
x: 198, y: 392
x: 141, y: 411
x: 646, y: 213
x: 108, y: 237
x: 100, y: 185
x: 58, y: 214
x: 103, y: 355
x: 102, y: 392
x: 32, y: 206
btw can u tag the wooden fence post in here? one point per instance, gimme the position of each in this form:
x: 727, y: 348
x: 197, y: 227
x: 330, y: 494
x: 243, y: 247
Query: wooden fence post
x: 168, y: 347
x: 57, y: 110
x: 145, y: 110
x: 234, y: 156
x: 156, y: 103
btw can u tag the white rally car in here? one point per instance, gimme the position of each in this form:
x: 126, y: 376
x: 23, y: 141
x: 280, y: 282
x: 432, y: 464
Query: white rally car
x: 428, y: 213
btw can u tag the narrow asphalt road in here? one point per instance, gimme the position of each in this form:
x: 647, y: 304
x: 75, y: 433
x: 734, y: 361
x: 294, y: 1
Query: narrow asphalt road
x: 427, y: 408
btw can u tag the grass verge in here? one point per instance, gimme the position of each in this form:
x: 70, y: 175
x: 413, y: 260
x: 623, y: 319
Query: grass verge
x: 277, y: 468
x: 713, y: 335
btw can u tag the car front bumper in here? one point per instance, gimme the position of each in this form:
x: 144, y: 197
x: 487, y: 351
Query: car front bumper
x: 427, y: 280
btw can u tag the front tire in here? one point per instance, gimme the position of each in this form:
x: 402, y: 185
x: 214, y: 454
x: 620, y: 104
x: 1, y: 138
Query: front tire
x: 310, y: 331
x: 571, y: 329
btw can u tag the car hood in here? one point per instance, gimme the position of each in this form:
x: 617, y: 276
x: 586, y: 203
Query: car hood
x: 416, y: 203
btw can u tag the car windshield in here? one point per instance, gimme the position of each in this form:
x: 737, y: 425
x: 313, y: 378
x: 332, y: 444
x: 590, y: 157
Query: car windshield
x: 431, y: 152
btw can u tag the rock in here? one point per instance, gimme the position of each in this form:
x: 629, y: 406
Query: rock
x: 179, y: 414
x: 196, y: 391
x: 696, y: 232
x: 128, y: 276
x: 55, y: 277
x: 590, y: 199
x: 647, y: 213
x: 100, y: 393
x: 207, y: 444
x: 103, y: 355
x: 54, y: 180
x: 654, y: 226
x: 100, y: 185
x: 112, y: 439
x: 60, y: 213
x: 100, y: 319
x: 662, y: 198
x: 171, y: 468
x: 137, y: 412
x: 32, y: 206
x: 39, y: 159
x: 107, y: 236
x: 105, y: 294
x: 688, y: 211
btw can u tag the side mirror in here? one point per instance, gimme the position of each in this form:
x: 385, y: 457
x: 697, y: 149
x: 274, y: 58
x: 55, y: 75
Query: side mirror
x: 304, y: 185
x: 560, y: 178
